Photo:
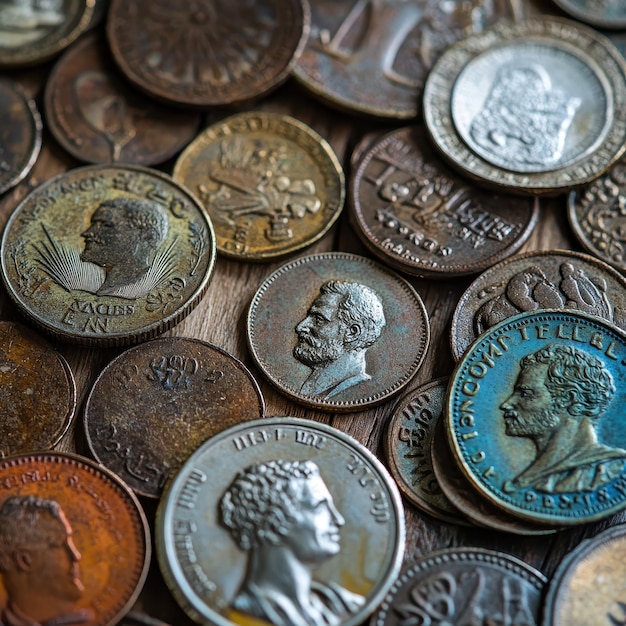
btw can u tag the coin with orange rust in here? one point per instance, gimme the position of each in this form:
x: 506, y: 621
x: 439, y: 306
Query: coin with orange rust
x: 74, y: 542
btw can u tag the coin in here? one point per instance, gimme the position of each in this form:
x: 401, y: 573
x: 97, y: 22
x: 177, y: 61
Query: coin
x: 337, y: 331
x: 209, y: 52
x: 98, y: 118
x: 107, y: 255
x: 537, y: 280
x: 270, y: 183
x: 464, y: 586
x: 74, y: 542
x: 418, y: 216
x: 537, y: 106
x: 534, y: 419
x: 272, y: 505
x: 598, y: 13
x: 155, y: 403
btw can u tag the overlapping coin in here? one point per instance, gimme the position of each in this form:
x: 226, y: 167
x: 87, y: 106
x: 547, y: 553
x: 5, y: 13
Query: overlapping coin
x: 598, y: 13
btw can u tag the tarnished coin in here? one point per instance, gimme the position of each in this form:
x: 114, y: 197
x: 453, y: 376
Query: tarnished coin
x: 537, y: 106
x: 156, y: 403
x: 74, y: 542
x: 548, y: 279
x: 108, y: 255
x: 535, y: 417
x: 464, y: 586
x: 337, y: 331
x: 98, y: 118
x: 270, y: 183
x: 282, y: 521
x: 207, y: 52
x: 421, y: 218
x: 598, y: 13
x: 37, y: 392
x: 373, y: 57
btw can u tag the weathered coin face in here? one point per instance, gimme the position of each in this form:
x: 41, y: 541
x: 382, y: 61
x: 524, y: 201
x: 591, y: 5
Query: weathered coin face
x: 337, y: 331
x: 416, y: 214
x: 156, y: 403
x: 463, y: 586
x: 269, y: 182
x: 534, y: 417
x: 531, y: 107
x: 107, y: 255
x: 598, y: 13
x: 83, y: 535
x: 276, y: 505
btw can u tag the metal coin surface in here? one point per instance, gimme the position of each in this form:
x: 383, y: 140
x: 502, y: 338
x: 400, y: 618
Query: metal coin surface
x: 37, y: 391
x: 97, y: 118
x: 535, y: 420
x: 464, y: 586
x: 598, y: 13
x: 107, y: 255
x: 531, y: 107
x: 85, y: 531
x: 549, y: 279
x: 283, y: 521
x: 337, y: 331
x: 209, y: 52
x: 420, y: 217
x: 156, y: 403
x: 269, y: 182
x: 373, y: 57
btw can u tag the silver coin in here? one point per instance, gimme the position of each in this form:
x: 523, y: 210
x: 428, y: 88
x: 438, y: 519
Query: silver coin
x: 599, y: 13
x: 274, y: 505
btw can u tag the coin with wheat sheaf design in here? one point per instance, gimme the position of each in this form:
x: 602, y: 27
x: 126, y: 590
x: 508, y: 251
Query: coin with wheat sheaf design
x: 107, y: 255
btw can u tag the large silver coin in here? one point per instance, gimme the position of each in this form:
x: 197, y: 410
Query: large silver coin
x: 283, y: 521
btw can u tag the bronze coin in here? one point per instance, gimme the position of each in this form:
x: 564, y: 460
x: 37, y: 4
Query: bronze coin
x: 422, y: 218
x: 94, y: 114
x: 207, y: 52
x: 74, y: 542
x: 156, y: 403
x: 37, y: 392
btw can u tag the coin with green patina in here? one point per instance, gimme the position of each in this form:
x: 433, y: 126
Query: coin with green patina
x: 535, y: 416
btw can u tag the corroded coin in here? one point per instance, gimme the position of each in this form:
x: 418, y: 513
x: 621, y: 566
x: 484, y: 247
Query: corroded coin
x: 337, y: 331
x: 598, y: 13
x: 156, y: 403
x: 283, y: 521
x: 270, y: 183
x: 107, y: 255
x: 37, y: 392
x: 534, y: 417
x: 548, y: 279
x: 98, y: 118
x: 464, y: 586
x: 416, y: 214
x: 207, y: 52
x: 373, y: 57
x: 537, y: 106
x: 74, y: 542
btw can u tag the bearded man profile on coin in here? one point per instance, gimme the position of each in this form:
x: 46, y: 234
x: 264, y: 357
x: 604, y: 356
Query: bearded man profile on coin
x: 341, y: 324
x: 39, y: 565
x: 282, y: 514
x: 560, y: 394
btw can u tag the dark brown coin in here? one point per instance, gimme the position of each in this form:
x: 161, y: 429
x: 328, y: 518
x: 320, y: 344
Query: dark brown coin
x: 74, y: 542
x: 207, y: 52
x: 94, y: 114
x: 156, y: 403
x: 420, y: 217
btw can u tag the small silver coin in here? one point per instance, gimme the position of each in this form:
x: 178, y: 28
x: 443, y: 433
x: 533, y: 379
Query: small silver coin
x: 598, y: 13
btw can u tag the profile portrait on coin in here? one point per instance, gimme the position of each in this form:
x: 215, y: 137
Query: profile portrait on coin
x: 560, y: 394
x: 345, y: 319
x: 282, y: 514
x: 39, y: 564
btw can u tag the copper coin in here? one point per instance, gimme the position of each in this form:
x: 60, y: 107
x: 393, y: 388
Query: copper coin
x: 94, y: 114
x: 207, y: 52
x: 420, y: 217
x: 538, y: 280
x: 156, y: 403
x: 74, y: 542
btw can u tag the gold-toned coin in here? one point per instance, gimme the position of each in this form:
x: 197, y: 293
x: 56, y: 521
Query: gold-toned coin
x: 107, y: 255
x: 270, y: 183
